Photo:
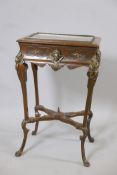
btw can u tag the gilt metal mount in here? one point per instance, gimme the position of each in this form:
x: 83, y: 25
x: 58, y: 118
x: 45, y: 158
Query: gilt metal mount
x: 19, y: 58
x: 94, y: 65
x: 56, y: 58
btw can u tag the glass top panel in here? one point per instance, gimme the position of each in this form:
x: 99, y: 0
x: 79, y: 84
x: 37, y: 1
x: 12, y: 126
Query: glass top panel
x: 80, y: 38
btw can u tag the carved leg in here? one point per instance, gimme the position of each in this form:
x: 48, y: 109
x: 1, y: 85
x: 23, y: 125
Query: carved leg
x: 22, y: 74
x: 86, y: 122
x: 34, y: 69
x: 91, y: 139
x: 25, y: 131
x: 83, y: 138
x: 92, y: 76
x: 87, y: 118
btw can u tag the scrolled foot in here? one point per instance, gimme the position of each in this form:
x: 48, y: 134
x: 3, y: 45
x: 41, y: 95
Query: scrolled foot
x: 83, y: 138
x: 36, y: 129
x: 36, y: 124
x: 86, y: 163
x: 34, y: 132
x: 18, y: 153
x: 91, y: 139
x: 25, y: 133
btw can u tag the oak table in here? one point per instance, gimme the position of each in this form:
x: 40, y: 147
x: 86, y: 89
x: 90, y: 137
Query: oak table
x: 57, y: 51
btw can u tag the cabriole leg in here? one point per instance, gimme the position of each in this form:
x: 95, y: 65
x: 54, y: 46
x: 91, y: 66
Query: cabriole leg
x: 86, y: 122
x: 92, y: 77
x: 22, y: 74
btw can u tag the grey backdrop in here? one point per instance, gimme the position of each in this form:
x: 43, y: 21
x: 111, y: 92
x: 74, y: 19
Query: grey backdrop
x: 56, y: 148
